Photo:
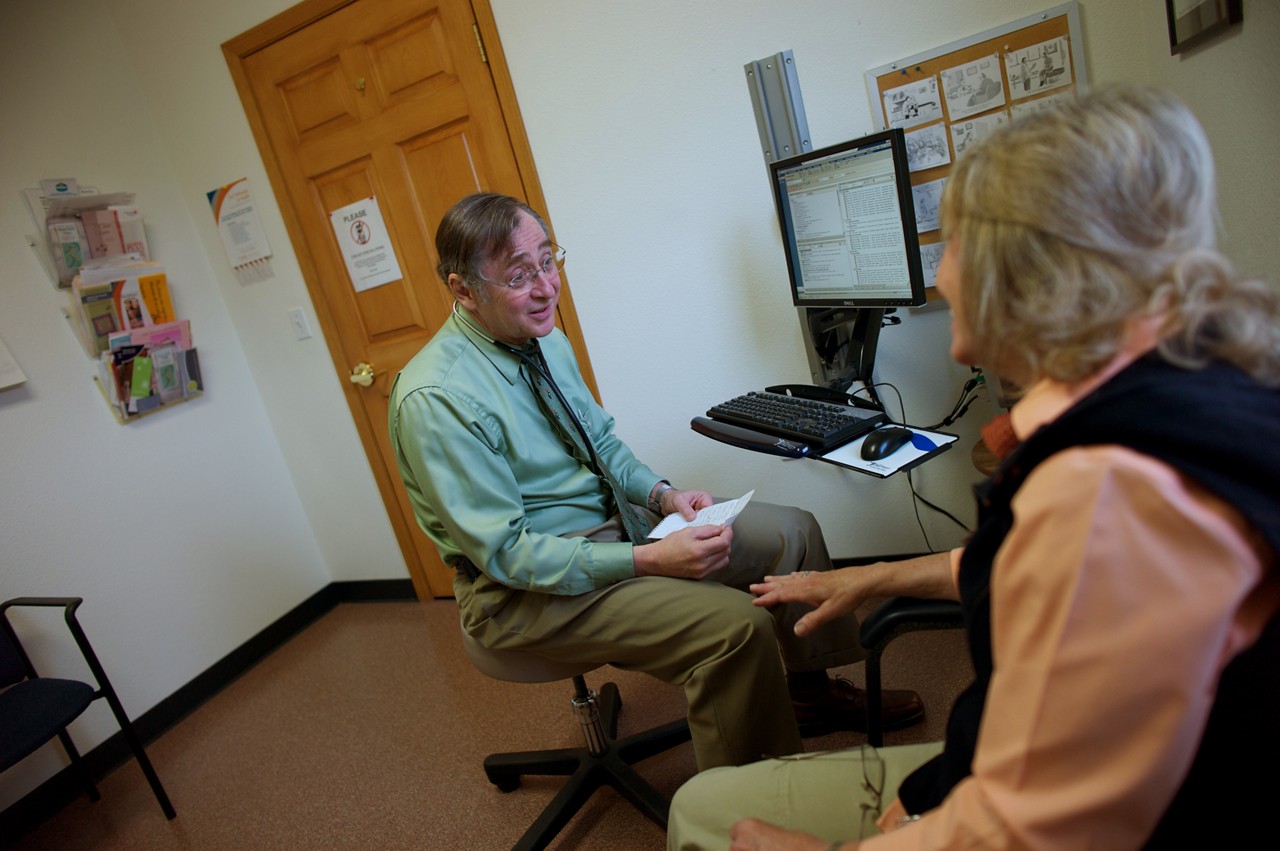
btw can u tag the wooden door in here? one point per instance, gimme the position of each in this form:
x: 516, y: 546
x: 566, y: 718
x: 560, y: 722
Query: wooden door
x: 407, y: 102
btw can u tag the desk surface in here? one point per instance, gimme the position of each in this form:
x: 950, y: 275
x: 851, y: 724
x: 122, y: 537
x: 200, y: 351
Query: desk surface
x: 846, y: 456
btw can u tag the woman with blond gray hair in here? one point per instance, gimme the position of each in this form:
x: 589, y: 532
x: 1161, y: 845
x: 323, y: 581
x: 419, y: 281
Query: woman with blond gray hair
x: 1120, y: 590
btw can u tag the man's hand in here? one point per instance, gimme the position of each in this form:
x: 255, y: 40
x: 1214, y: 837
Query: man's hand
x: 694, y: 552
x: 687, y: 503
x: 755, y: 835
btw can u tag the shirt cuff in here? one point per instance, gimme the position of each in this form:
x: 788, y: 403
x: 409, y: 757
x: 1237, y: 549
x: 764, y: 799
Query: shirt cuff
x: 611, y: 563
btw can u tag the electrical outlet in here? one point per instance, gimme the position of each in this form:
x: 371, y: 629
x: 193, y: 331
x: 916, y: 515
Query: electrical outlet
x: 301, y: 328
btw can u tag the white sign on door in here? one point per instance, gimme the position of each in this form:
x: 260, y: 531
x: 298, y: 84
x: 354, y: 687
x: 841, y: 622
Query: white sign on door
x: 365, y: 244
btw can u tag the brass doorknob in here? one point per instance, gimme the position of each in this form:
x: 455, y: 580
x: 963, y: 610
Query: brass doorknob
x: 364, y: 373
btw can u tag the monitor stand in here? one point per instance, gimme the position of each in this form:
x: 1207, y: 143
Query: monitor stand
x: 840, y: 343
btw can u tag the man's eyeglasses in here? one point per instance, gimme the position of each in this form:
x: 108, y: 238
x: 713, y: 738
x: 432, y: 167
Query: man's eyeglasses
x: 873, y: 785
x: 521, y: 278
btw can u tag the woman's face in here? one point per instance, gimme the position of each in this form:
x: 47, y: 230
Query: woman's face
x: 950, y: 287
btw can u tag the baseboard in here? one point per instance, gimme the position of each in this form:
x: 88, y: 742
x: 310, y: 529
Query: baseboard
x: 59, y: 790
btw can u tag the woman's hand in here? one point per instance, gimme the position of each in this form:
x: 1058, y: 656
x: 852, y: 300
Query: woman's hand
x: 833, y: 592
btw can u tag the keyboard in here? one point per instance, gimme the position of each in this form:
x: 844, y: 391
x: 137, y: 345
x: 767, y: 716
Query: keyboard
x: 822, y: 425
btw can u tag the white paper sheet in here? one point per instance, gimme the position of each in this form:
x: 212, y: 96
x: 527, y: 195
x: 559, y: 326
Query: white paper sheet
x: 720, y: 514
x: 10, y: 373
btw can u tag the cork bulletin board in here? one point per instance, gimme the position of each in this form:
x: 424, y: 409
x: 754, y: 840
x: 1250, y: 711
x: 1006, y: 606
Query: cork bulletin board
x: 950, y: 97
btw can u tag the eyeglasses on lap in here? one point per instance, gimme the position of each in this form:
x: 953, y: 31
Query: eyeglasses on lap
x: 872, y: 783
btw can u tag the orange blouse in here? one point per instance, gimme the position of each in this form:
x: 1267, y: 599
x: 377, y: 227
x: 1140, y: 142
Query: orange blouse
x: 1119, y: 595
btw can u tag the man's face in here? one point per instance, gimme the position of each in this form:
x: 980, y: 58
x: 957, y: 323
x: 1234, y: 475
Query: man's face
x: 514, y: 316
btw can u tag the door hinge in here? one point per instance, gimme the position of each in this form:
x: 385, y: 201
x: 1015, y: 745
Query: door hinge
x: 484, y: 57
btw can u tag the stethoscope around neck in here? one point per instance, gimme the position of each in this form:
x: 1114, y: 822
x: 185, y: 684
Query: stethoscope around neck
x: 532, y: 358
x: 535, y: 362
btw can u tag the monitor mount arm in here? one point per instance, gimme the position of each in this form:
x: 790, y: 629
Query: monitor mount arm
x: 842, y: 345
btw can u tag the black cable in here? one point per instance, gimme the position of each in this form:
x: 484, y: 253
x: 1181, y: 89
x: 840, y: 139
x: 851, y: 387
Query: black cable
x: 968, y: 394
x: 962, y: 405
x: 938, y: 509
x: 829, y: 354
x: 916, y: 499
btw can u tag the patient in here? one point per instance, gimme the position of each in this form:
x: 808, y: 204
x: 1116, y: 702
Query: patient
x: 1121, y: 590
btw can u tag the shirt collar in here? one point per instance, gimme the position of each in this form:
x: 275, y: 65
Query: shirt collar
x: 504, y: 361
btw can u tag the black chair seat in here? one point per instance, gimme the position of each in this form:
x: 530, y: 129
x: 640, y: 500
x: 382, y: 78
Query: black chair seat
x: 36, y: 709
x: 29, y: 710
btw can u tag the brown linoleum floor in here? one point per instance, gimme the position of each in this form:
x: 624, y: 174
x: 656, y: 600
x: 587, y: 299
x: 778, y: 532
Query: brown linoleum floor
x: 368, y: 729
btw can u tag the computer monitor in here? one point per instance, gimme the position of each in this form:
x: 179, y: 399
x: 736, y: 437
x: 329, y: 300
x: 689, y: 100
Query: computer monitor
x: 849, y: 224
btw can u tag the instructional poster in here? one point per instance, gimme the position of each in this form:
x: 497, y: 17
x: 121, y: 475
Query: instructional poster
x: 241, y: 230
x: 365, y: 244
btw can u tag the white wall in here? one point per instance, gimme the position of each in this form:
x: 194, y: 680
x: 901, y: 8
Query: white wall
x: 189, y: 531
x: 646, y: 147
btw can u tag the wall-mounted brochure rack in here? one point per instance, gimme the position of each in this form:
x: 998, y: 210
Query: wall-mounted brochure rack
x: 95, y: 249
x: 123, y: 316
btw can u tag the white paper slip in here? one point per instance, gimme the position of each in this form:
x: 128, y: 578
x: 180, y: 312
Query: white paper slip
x: 720, y: 514
x: 10, y: 373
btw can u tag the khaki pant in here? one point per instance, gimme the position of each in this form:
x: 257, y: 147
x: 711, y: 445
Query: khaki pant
x: 832, y: 795
x: 704, y: 636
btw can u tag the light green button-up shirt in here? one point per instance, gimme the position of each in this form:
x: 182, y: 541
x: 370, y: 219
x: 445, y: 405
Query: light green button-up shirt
x: 491, y: 479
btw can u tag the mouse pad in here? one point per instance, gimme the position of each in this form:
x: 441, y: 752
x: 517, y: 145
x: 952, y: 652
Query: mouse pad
x: 923, y: 446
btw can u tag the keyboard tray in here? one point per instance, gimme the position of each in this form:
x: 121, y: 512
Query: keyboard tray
x: 819, y: 424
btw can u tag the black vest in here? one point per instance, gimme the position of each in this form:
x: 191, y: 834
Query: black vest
x: 1221, y: 429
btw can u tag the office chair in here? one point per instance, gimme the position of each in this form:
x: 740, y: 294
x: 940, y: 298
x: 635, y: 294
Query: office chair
x: 605, y: 759
x: 34, y: 709
x: 894, y: 617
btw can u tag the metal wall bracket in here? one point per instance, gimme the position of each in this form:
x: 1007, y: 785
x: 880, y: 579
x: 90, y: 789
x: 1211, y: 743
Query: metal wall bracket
x: 775, y: 96
x: 839, y: 344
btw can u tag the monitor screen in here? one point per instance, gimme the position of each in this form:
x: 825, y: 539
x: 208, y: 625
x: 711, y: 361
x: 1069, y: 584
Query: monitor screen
x: 849, y: 224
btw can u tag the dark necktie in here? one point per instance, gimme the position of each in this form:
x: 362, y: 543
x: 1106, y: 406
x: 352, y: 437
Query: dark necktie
x: 575, y: 434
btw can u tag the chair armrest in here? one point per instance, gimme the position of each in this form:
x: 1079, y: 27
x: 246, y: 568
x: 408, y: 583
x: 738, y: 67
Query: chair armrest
x: 70, y: 604
x: 897, y: 613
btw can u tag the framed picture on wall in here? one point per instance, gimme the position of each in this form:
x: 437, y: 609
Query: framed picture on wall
x: 1193, y: 22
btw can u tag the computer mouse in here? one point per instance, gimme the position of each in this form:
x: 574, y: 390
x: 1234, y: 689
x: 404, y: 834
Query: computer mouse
x: 883, y: 442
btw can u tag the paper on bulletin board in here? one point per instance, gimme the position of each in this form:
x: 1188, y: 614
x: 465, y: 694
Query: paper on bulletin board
x: 365, y: 244
x: 241, y: 230
x: 10, y: 373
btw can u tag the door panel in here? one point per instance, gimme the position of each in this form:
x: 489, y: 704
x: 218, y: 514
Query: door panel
x: 390, y: 99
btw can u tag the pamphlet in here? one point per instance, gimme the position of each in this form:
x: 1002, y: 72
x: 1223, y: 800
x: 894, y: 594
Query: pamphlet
x: 720, y: 514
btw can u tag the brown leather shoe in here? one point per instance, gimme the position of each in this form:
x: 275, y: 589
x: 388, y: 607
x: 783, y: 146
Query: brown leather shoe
x: 844, y: 707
